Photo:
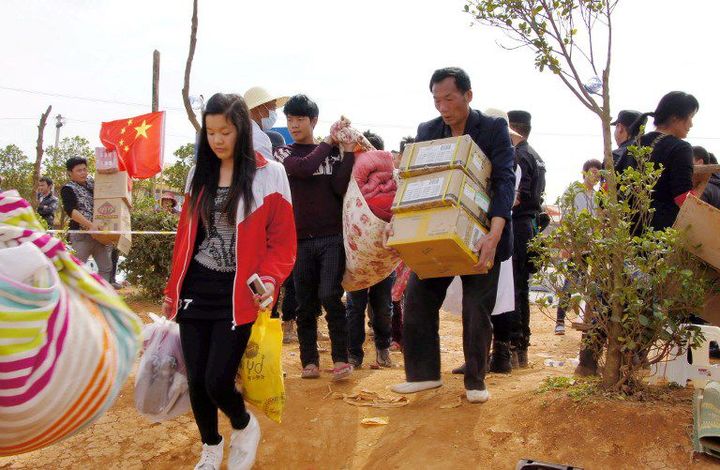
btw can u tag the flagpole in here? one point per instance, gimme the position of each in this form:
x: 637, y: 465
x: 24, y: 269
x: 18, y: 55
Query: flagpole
x: 156, y: 97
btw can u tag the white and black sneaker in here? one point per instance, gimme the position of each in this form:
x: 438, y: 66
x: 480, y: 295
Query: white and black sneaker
x: 211, y: 457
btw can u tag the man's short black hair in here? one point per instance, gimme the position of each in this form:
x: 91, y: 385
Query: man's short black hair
x: 592, y: 163
x: 701, y: 154
x: 375, y: 140
x: 302, y: 106
x: 72, y: 162
x: 46, y: 180
x: 405, y: 141
x: 462, y: 80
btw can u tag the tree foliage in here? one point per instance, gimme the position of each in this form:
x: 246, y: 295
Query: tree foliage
x: 176, y: 175
x: 660, y: 285
x: 16, y: 171
x: 148, y: 263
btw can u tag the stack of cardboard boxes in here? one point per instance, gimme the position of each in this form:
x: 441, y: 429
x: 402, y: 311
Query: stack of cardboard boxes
x: 440, y: 208
x: 113, y: 201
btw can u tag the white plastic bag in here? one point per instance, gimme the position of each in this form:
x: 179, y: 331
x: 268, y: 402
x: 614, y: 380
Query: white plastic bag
x: 161, y: 388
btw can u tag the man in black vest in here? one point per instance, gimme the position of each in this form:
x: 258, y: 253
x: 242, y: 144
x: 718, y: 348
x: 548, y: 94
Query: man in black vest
x: 421, y: 342
x: 528, y: 205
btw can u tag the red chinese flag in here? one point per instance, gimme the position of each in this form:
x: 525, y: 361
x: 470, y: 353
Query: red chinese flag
x: 138, y: 142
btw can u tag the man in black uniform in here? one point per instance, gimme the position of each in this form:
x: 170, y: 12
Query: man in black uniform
x: 627, y: 127
x: 527, y: 206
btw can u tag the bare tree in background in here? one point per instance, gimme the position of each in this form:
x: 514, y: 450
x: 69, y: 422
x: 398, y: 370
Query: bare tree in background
x: 39, y: 151
x: 188, y: 67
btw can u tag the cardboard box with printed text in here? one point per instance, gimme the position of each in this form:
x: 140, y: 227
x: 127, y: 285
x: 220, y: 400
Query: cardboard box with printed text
x: 444, y: 188
x: 437, y: 242
x: 113, y: 215
x: 443, y: 154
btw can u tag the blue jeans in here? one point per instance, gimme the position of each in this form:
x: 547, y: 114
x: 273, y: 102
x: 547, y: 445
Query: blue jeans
x: 380, y: 298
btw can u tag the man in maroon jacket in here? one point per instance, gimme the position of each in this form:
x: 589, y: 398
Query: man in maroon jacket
x: 319, y: 176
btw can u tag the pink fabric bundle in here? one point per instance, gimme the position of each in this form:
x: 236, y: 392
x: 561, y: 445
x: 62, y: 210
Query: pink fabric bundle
x: 373, y: 172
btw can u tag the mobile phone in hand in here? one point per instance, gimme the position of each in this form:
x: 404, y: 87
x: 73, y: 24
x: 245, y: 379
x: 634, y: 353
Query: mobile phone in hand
x: 257, y: 287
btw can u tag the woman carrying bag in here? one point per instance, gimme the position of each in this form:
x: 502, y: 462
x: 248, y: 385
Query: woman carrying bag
x: 238, y: 221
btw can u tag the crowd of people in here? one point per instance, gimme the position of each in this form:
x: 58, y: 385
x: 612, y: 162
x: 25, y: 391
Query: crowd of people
x: 256, y: 205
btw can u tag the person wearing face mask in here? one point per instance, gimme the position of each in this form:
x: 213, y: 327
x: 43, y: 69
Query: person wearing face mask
x: 263, y: 115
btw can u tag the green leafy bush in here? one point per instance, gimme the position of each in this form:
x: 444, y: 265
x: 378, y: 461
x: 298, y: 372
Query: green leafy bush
x: 148, y: 263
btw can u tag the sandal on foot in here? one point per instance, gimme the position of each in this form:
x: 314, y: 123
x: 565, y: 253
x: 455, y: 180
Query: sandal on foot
x: 310, y: 371
x: 342, y: 372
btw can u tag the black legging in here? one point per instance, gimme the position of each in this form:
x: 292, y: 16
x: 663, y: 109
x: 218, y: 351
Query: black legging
x: 213, y: 351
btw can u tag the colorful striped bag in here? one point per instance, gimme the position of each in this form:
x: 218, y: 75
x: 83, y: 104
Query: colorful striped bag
x: 67, y: 340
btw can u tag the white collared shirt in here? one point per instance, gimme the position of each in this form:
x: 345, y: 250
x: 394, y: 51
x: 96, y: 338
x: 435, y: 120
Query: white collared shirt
x: 261, y: 142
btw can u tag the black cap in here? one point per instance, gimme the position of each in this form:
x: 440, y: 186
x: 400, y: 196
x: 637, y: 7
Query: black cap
x: 521, y: 117
x: 626, y: 117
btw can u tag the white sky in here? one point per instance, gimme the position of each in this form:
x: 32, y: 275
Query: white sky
x: 369, y: 60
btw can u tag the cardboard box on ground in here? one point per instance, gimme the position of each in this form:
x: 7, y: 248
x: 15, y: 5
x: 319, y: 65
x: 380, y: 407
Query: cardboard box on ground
x: 440, y: 208
x: 701, y: 223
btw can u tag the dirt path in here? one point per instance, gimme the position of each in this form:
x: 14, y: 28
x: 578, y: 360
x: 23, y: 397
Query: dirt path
x: 319, y: 432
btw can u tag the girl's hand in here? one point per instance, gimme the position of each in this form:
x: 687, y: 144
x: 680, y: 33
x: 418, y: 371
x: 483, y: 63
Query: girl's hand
x: 269, y: 291
x: 167, y: 309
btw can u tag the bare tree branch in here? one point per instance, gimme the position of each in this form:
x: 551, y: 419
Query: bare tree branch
x: 39, y: 151
x: 188, y: 67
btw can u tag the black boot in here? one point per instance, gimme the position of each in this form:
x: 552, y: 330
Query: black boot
x: 522, y: 357
x: 588, y: 364
x: 501, y: 358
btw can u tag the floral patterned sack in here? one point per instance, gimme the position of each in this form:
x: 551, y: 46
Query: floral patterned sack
x: 367, y: 261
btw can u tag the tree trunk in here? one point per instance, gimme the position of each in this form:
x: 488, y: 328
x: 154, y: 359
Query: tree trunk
x: 613, y: 357
x: 188, y: 67
x: 39, y: 152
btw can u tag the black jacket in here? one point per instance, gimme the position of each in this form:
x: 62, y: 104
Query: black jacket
x: 47, y: 207
x: 532, y: 181
x: 491, y: 135
x: 711, y: 195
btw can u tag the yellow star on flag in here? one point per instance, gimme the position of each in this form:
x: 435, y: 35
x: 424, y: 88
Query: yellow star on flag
x: 142, y: 129
x: 126, y: 148
x: 122, y: 142
x: 129, y: 121
x: 122, y: 131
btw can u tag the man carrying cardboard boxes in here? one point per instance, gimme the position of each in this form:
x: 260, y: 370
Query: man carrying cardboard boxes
x: 78, y: 199
x: 452, y: 93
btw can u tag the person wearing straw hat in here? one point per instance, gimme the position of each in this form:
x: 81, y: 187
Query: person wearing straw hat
x: 263, y: 114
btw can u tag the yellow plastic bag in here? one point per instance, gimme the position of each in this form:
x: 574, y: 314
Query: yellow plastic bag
x: 261, y: 367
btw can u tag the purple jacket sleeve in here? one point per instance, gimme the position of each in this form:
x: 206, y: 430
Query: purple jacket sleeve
x: 305, y: 167
x: 342, y: 173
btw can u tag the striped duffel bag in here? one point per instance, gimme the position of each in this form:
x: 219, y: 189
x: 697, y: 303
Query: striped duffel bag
x: 67, y: 340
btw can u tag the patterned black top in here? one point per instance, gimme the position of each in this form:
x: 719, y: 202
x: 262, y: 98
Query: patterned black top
x: 217, y: 250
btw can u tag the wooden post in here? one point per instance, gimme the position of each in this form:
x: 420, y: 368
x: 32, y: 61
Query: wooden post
x: 156, y: 81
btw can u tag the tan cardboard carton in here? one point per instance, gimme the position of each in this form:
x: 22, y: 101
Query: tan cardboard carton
x: 114, y: 185
x: 437, y: 242
x: 454, y: 152
x: 113, y: 215
x: 444, y: 188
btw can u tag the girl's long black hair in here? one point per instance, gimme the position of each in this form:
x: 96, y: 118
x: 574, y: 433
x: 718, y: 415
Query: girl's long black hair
x: 204, y: 185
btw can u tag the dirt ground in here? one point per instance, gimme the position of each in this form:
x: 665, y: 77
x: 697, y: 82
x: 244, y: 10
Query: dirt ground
x: 320, y: 432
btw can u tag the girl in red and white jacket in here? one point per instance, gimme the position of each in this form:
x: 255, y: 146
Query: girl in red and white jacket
x: 237, y: 221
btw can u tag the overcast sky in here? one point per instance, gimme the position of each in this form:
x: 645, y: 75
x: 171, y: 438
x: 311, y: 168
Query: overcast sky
x: 369, y: 60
